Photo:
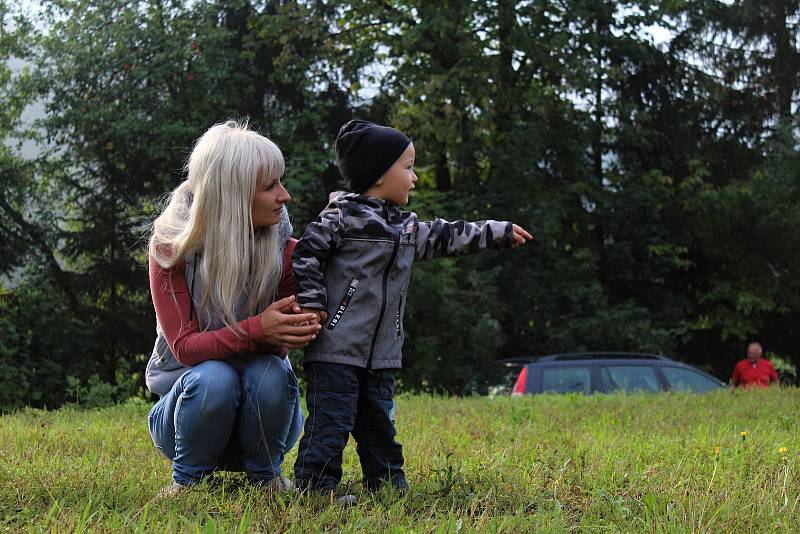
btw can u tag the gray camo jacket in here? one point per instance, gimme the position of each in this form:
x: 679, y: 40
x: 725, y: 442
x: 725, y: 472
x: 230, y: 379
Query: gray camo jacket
x: 355, y: 263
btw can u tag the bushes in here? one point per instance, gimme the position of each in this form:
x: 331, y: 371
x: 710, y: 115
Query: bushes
x: 49, y: 357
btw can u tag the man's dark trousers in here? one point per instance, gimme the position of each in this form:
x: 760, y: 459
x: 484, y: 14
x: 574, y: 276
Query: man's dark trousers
x: 343, y: 399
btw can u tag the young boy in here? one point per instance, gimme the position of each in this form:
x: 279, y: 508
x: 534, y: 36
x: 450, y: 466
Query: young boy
x: 352, y: 267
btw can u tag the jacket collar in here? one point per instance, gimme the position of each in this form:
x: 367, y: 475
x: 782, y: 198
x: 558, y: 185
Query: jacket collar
x: 372, y: 202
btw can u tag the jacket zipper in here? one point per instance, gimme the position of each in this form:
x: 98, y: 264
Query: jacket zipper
x: 383, y: 294
x: 399, y: 309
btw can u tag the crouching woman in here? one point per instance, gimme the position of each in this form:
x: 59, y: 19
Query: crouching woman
x: 221, y: 284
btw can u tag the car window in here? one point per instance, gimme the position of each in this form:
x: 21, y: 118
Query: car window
x: 572, y: 379
x: 629, y: 378
x: 687, y: 380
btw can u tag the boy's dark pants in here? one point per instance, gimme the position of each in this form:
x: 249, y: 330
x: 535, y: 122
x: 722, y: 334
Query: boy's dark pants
x: 341, y: 400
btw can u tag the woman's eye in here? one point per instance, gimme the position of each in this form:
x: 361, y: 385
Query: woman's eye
x: 269, y: 186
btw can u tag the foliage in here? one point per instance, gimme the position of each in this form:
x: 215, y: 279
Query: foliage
x: 42, y: 344
x: 659, y: 179
x: 654, y: 463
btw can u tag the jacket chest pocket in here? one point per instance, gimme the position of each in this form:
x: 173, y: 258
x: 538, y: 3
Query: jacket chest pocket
x: 405, y: 254
x: 408, y: 238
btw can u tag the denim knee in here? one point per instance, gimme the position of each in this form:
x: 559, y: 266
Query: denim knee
x: 216, y: 383
x: 270, y: 380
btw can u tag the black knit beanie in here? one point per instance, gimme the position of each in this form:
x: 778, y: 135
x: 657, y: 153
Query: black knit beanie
x: 365, y: 151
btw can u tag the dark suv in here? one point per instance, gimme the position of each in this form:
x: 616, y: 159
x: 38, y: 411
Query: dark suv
x: 589, y: 372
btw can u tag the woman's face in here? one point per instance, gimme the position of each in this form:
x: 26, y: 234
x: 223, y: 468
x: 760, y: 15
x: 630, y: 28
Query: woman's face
x: 268, y: 202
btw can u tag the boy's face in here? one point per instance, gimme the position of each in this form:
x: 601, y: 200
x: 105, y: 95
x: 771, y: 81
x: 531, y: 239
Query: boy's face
x: 398, y: 181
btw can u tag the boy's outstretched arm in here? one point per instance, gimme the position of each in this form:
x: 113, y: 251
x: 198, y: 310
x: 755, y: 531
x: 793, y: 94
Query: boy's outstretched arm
x: 310, y: 257
x: 442, y: 238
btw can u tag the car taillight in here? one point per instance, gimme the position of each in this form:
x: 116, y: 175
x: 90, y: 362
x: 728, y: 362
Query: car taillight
x: 519, y: 385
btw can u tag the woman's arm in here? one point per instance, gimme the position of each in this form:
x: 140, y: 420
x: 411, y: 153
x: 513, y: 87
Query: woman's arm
x: 286, y: 287
x: 190, y: 346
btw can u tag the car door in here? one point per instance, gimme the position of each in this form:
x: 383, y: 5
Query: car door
x: 685, y: 379
x: 563, y: 378
x: 630, y: 377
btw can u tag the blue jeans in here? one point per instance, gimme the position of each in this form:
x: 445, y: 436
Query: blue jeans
x: 241, y: 414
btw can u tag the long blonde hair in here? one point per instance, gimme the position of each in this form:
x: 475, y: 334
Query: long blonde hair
x: 211, y: 213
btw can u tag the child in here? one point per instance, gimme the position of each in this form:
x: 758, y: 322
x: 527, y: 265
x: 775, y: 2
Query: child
x: 352, y: 267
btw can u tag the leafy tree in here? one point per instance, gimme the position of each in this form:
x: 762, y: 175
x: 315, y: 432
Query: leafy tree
x: 659, y: 180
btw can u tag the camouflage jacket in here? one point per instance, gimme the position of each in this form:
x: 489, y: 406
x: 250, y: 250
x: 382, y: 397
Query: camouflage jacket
x: 355, y: 263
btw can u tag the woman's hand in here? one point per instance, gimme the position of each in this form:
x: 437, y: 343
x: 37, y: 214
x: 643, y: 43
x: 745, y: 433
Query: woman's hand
x: 283, y: 326
x: 520, y: 236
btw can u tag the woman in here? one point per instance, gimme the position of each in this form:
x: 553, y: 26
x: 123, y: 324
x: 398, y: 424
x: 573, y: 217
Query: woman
x: 222, y: 288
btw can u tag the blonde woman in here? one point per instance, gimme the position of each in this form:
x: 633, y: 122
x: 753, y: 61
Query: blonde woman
x: 223, y: 292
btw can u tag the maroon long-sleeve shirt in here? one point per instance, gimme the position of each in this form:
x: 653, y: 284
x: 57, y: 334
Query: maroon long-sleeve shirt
x: 172, y: 302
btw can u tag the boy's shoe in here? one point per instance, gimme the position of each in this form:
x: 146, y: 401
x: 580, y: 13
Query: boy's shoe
x: 346, y: 500
x: 279, y: 484
x: 399, y: 485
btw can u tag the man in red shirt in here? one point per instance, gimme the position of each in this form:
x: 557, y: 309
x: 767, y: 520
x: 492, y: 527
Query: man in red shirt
x: 753, y: 370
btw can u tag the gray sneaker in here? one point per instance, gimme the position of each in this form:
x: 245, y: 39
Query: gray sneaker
x: 279, y: 484
x: 346, y: 500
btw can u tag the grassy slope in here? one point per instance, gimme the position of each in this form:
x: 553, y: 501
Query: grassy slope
x: 555, y: 463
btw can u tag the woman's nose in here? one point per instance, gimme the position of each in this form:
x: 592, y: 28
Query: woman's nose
x: 284, y: 196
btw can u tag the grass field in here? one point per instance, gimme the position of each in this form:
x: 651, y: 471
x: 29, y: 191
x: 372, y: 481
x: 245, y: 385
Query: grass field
x: 639, y: 463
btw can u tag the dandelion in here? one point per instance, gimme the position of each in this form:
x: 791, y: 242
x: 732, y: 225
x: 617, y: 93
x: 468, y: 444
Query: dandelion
x: 743, y: 433
x: 783, y: 451
x: 717, y: 450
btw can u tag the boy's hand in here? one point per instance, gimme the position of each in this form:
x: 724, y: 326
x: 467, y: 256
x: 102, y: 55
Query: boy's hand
x: 520, y: 235
x: 322, y: 315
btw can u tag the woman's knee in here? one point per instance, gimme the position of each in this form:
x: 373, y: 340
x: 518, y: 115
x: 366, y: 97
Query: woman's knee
x: 269, y: 378
x: 216, y: 382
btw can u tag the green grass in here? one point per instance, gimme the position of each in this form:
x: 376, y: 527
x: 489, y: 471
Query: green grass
x: 551, y: 463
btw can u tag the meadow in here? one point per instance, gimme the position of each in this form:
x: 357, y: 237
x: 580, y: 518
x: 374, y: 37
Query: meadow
x: 722, y: 462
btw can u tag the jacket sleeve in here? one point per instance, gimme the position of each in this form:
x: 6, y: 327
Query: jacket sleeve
x: 311, y: 256
x: 442, y: 238
x: 172, y: 303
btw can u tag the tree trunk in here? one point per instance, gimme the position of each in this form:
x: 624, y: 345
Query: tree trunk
x: 784, y: 62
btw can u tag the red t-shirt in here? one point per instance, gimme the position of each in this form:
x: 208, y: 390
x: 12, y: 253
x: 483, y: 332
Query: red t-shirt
x: 760, y: 374
x: 191, y: 346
